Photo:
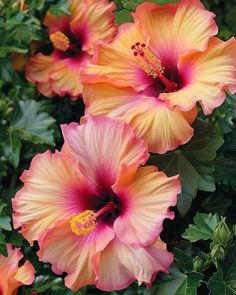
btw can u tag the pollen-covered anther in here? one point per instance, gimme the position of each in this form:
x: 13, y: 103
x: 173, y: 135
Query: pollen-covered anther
x: 83, y: 223
x: 147, y: 60
x: 60, y: 41
x: 152, y: 65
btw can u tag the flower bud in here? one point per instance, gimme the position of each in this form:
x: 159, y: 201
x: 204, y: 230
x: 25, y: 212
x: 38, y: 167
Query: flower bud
x: 217, y: 252
x: 197, y: 264
x: 222, y: 234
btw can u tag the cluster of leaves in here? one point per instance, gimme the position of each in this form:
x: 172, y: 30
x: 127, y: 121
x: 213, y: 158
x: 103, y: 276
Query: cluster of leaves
x: 204, y: 252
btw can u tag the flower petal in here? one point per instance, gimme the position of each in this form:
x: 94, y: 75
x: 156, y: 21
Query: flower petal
x: 121, y: 61
x: 57, y: 23
x: 50, y: 192
x: 13, y: 276
x: 120, y: 264
x: 65, y: 76
x: 73, y: 254
x: 210, y: 74
x: 102, y: 145
x: 46, y: 89
x: 39, y: 67
x: 25, y: 274
x: 106, y: 99
x: 150, y: 195
x: 161, y: 128
x: 96, y: 18
x: 176, y: 29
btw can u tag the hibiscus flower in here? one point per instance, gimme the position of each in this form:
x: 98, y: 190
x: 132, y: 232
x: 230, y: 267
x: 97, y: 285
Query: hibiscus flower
x: 72, y: 38
x: 96, y: 214
x: 157, y: 69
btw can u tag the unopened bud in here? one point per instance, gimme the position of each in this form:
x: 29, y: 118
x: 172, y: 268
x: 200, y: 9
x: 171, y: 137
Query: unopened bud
x: 197, y: 263
x: 222, y: 234
x: 218, y: 252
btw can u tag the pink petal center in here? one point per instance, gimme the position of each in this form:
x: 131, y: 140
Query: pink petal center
x: 93, y: 207
x: 163, y: 77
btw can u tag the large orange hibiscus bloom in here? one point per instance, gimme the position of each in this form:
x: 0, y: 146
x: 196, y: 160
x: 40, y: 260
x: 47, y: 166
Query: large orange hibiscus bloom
x: 158, y: 68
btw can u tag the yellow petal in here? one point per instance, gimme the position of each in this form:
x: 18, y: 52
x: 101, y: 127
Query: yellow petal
x: 175, y: 29
x: 116, y: 63
x: 209, y: 74
x: 96, y: 18
x: 161, y: 128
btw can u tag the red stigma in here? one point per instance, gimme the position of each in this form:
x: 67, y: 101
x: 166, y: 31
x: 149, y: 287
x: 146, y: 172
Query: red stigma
x: 138, y: 48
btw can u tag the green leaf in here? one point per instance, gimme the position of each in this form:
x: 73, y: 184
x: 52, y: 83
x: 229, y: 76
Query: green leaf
x: 44, y: 283
x: 225, y: 170
x: 203, y: 228
x: 5, y: 70
x: 5, y: 222
x: 184, y: 260
x: 16, y: 239
x: 225, y: 115
x: 12, y: 146
x: 2, y: 206
x: 193, y: 163
x: 129, y: 4
x: 217, y: 203
x: 177, y: 283
x: 218, y: 285
x: 32, y: 124
x: 36, y: 4
x: 123, y: 16
x: 60, y: 8
x: 223, y: 281
x: 3, y: 247
x: 18, y: 32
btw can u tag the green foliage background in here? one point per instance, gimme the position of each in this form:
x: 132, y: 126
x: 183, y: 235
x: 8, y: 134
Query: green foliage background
x: 202, y: 236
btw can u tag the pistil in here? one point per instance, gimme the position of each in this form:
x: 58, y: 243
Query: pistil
x: 152, y: 65
x: 85, y: 222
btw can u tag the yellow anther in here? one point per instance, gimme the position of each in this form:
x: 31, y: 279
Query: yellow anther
x: 147, y: 60
x: 60, y: 41
x: 83, y: 223
x: 150, y: 63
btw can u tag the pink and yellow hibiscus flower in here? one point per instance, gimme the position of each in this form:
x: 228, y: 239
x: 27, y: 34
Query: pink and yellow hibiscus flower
x: 96, y: 214
x: 157, y: 69
x: 13, y: 276
x: 72, y: 38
